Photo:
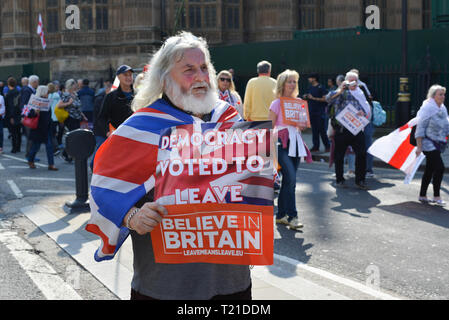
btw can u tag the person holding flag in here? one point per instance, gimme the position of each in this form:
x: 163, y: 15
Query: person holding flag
x: 180, y: 88
x: 400, y: 151
x: 431, y: 135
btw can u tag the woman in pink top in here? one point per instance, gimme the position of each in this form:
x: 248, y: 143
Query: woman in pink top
x: 290, y: 150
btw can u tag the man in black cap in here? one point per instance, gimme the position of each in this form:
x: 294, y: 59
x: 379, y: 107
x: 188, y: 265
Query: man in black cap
x: 117, y: 104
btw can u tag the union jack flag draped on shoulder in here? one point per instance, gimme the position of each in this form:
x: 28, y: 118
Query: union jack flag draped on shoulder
x: 125, y: 165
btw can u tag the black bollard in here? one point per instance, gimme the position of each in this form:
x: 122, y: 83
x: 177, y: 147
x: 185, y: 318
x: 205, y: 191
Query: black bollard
x: 80, y: 144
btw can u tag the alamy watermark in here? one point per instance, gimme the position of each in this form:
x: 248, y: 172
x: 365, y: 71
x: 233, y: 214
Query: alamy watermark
x: 373, y: 277
x: 372, y: 22
x: 73, y: 20
x: 72, y: 274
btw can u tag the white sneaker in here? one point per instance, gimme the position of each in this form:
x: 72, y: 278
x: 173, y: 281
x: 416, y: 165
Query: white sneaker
x: 369, y: 175
x: 439, y: 203
x: 350, y: 174
x: 283, y: 220
x: 294, y: 224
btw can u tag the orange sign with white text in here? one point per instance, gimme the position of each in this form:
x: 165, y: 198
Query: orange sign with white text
x: 222, y: 234
x: 216, y: 182
x: 295, y: 112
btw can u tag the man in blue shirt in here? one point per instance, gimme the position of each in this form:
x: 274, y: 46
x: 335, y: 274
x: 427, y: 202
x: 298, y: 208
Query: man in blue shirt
x: 317, y: 109
x: 86, y: 96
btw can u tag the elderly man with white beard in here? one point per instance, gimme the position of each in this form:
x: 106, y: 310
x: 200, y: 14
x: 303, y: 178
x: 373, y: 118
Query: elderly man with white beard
x: 178, y: 89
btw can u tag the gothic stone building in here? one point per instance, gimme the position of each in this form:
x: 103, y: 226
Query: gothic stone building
x: 114, y: 32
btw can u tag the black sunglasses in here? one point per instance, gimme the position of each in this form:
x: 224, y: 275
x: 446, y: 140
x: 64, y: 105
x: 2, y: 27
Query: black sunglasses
x: 225, y: 79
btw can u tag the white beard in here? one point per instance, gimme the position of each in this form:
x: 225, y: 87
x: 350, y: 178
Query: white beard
x: 188, y: 102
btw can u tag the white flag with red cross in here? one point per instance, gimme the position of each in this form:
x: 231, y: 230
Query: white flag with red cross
x: 396, y: 150
x: 40, y: 32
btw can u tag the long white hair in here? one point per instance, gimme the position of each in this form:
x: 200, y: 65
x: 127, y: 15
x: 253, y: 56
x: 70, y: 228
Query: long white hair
x: 434, y: 89
x: 41, y: 91
x: 157, y: 77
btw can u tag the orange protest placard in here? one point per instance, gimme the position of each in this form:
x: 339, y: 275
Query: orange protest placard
x: 216, y: 181
x: 295, y: 112
x: 222, y: 234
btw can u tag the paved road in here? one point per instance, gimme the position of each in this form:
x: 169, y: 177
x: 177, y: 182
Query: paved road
x: 382, y: 237
x: 357, y: 234
x: 33, y: 266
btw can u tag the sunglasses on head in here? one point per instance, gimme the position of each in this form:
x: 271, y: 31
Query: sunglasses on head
x: 225, y: 79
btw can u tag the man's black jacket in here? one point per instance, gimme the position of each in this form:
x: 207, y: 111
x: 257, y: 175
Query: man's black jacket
x: 116, y: 108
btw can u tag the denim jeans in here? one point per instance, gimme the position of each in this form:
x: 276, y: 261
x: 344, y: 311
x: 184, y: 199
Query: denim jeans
x: 287, y: 199
x: 35, y: 146
x: 99, y: 141
x: 350, y: 158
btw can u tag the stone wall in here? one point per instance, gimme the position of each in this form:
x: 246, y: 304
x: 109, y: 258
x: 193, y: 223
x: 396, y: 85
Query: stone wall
x: 136, y: 28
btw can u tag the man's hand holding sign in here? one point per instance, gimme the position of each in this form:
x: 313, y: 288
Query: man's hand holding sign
x: 145, y: 219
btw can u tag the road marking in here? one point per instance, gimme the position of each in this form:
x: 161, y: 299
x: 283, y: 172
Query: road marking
x: 40, y: 272
x: 18, y: 167
x: 15, y: 189
x: 2, y: 167
x: 325, y: 274
x: 24, y: 160
x: 115, y: 274
x: 48, y: 179
x: 296, y: 286
x: 51, y: 191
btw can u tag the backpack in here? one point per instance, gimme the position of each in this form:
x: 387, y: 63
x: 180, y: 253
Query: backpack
x: 379, y: 114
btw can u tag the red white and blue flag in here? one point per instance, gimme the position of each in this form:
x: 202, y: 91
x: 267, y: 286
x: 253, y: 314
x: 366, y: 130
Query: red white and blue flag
x: 125, y: 165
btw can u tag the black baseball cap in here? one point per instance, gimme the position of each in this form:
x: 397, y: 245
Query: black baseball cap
x: 122, y: 69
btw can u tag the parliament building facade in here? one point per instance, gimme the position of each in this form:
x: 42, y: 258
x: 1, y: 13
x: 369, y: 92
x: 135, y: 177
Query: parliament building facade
x: 115, y: 32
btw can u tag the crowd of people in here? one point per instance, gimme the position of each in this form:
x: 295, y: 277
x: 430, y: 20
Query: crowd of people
x: 72, y: 105
x: 107, y: 109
